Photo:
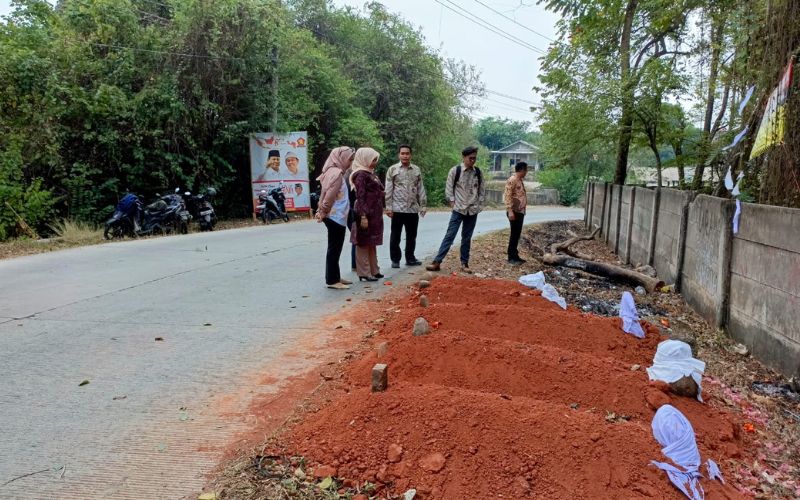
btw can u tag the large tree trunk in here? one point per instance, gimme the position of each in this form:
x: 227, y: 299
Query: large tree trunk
x: 654, y: 149
x: 717, y: 31
x: 678, y: 149
x: 626, y: 119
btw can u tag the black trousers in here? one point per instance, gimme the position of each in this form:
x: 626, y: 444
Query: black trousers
x: 336, y: 234
x: 410, y: 222
x: 516, y: 232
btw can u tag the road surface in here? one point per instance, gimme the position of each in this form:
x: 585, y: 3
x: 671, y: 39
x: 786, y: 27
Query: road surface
x: 155, y: 415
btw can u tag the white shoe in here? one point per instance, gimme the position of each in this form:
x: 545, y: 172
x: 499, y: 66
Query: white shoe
x: 339, y: 286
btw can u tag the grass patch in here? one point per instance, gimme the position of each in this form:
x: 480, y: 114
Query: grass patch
x: 74, y: 233
x: 67, y: 234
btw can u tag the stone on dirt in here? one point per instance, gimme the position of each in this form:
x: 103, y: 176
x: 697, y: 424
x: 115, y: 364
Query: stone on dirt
x: 395, y: 453
x: 382, y: 349
x: 684, y: 386
x: 741, y: 350
x: 424, y: 283
x: 647, y: 271
x: 433, y: 462
x: 324, y: 471
x: 423, y: 300
x: 380, y: 377
x: 421, y: 327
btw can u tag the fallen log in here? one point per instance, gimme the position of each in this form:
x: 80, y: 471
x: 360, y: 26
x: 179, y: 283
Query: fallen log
x: 615, y: 273
x: 564, y: 245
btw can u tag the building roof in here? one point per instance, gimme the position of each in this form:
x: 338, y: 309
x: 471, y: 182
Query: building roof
x: 518, y: 147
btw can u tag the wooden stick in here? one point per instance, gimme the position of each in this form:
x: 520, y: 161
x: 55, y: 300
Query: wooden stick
x: 564, y: 245
x: 24, y: 225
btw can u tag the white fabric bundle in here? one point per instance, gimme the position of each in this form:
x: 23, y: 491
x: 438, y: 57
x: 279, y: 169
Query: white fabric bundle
x: 533, y: 280
x: 676, y: 436
x: 673, y: 361
x: 548, y: 291
x: 630, y: 318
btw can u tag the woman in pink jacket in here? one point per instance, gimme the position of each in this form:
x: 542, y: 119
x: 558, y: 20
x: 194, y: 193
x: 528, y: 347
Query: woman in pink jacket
x: 334, y: 206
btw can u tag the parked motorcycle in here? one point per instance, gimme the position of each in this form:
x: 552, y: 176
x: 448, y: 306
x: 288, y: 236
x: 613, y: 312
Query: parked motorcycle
x: 315, y: 199
x: 126, y: 220
x: 272, y: 205
x: 200, y: 208
x: 167, y: 214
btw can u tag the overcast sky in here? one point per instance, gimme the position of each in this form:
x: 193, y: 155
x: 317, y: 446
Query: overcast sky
x: 507, y: 67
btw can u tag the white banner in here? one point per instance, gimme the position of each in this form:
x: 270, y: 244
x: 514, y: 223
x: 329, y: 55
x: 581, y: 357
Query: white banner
x: 281, y: 160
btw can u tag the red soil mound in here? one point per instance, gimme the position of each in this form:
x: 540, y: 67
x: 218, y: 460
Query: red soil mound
x: 510, y: 396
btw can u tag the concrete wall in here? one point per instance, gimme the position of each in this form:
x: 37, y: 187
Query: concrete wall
x: 642, y: 223
x: 613, y: 228
x: 624, y: 220
x: 748, y: 283
x: 702, y: 272
x: 597, y: 205
x: 668, y: 233
x: 764, y: 309
x: 535, y: 197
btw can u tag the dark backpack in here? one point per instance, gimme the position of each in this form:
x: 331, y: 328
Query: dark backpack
x: 458, y: 176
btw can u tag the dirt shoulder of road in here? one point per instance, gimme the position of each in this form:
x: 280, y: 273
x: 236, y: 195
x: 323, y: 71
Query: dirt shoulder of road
x: 19, y: 247
x: 509, y: 395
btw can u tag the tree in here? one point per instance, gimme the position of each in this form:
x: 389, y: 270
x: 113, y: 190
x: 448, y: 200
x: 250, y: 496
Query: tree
x: 106, y: 96
x: 619, y: 40
x: 496, y: 133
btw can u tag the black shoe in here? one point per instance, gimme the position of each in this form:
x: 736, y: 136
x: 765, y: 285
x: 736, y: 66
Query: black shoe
x: 413, y: 262
x: 516, y: 262
x: 395, y: 265
x: 378, y: 276
x: 367, y: 278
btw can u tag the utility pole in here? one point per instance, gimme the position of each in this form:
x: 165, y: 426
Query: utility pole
x: 275, y: 71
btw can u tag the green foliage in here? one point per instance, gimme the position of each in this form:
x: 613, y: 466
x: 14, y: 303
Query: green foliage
x: 496, y: 133
x: 105, y: 96
x: 567, y: 181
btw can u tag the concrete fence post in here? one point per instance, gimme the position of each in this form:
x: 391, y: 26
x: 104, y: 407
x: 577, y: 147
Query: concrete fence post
x: 603, y: 210
x: 586, y: 205
x: 682, y: 238
x: 651, y: 252
x: 630, y: 226
x: 619, y: 219
x: 724, y: 276
x: 610, y: 191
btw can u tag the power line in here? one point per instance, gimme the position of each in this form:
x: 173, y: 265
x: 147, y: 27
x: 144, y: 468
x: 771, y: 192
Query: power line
x: 489, y: 27
x: 151, y: 51
x: 514, y: 21
x: 512, y: 97
x: 507, y: 105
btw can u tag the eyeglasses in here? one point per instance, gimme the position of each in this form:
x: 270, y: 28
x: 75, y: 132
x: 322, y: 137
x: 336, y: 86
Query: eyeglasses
x: 473, y: 158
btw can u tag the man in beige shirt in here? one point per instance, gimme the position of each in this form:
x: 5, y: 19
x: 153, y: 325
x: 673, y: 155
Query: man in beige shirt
x: 516, y: 199
x: 405, y: 203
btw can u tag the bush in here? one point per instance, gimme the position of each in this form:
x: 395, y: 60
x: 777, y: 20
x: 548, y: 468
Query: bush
x: 569, y: 183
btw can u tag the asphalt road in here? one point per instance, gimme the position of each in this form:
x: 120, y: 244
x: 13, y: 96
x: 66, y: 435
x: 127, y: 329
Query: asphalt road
x: 155, y: 415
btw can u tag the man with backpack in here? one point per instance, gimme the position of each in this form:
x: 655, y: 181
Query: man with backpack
x: 466, y: 193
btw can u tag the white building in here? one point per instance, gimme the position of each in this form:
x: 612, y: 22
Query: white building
x: 503, y: 160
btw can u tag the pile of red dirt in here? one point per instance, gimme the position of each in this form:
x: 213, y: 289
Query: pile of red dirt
x: 509, y: 396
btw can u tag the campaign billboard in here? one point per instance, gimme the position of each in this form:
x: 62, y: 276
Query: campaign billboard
x: 281, y: 160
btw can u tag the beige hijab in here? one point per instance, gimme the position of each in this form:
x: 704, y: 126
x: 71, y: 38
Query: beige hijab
x: 362, y: 161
